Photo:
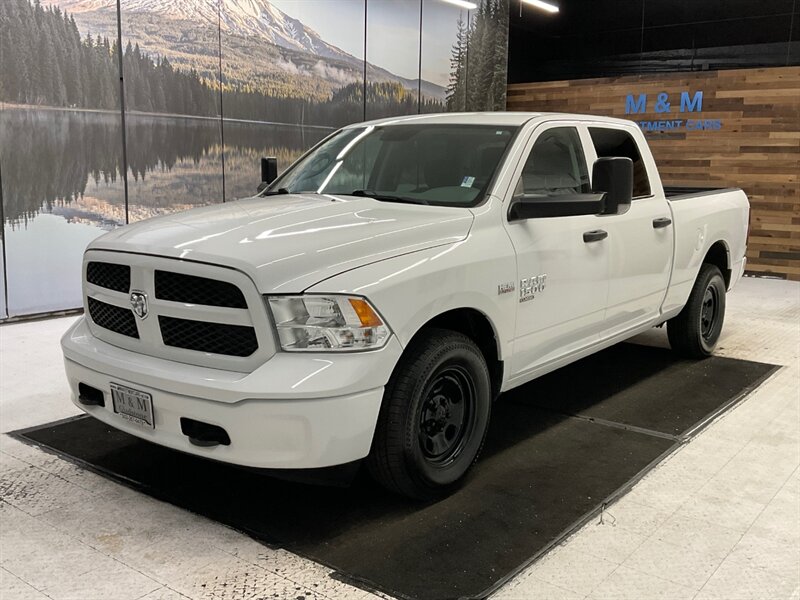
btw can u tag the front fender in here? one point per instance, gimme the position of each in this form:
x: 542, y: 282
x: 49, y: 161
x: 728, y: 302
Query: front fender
x: 411, y: 289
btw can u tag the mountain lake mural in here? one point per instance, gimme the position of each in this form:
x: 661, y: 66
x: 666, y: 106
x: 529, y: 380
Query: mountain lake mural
x: 210, y: 86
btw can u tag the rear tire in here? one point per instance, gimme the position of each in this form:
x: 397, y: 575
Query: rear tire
x: 695, y: 331
x: 434, y: 416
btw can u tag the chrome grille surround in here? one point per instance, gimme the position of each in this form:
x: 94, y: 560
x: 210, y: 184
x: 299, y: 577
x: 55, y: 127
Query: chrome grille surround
x: 151, y: 341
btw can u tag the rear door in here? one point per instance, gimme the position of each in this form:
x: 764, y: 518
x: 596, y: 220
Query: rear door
x: 640, y: 236
x: 562, y: 280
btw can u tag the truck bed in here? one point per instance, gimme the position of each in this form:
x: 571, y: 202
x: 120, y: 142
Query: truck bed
x: 674, y: 192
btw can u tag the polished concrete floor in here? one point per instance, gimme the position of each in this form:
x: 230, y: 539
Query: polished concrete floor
x: 720, y: 519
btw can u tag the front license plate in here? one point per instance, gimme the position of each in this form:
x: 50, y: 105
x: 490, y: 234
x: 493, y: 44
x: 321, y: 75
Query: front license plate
x: 133, y: 405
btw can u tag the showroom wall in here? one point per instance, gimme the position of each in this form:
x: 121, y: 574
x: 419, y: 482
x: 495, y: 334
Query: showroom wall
x: 210, y: 86
x: 744, y: 133
x: 715, y: 85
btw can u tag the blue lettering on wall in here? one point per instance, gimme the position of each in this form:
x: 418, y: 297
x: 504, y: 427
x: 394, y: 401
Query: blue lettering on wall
x: 691, y: 102
x: 662, y: 103
x: 706, y: 124
x: 635, y: 106
x: 694, y: 104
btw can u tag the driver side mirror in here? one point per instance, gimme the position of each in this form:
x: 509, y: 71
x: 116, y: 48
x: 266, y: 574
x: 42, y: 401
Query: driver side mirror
x: 614, y: 176
x: 269, y: 172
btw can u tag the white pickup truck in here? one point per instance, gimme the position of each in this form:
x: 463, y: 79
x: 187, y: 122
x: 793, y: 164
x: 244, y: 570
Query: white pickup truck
x: 372, y: 301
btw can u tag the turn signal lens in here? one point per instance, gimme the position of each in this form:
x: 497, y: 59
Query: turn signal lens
x: 365, y: 313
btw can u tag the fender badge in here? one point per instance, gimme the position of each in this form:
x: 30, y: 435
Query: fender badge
x: 505, y: 288
x: 529, y: 287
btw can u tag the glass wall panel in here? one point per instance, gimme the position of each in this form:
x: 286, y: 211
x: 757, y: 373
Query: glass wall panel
x: 618, y: 37
x: 793, y: 56
x: 486, y: 62
x: 291, y: 75
x: 393, y: 39
x: 444, y: 37
x: 715, y: 34
x: 171, y: 66
x: 60, y: 150
x: 3, y: 308
x: 246, y: 143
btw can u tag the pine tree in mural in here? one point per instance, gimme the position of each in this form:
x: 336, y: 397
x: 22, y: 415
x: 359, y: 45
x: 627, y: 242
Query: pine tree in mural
x: 456, y: 90
x: 478, y: 60
x: 46, y: 62
x: 497, y: 93
x: 43, y: 59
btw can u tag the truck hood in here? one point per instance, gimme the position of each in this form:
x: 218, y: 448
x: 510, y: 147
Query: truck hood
x: 288, y: 243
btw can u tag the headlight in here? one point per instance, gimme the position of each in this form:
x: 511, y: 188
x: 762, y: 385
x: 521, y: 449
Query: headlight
x: 325, y: 323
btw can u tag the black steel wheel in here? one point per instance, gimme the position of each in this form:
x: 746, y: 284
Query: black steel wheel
x: 447, y: 415
x: 695, y: 331
x: 709, y: 313
x: 434, y: 416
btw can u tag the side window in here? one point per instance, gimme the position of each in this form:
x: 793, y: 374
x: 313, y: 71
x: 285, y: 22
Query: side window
x: 617, y: 142
x: 556, y: 165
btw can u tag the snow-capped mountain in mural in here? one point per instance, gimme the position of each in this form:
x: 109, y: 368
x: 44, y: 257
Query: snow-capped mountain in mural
x: 256, y: 18
x: 168, y: 27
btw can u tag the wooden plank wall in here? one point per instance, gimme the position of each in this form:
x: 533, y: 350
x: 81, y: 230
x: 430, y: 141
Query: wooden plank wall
x: 757, y: 147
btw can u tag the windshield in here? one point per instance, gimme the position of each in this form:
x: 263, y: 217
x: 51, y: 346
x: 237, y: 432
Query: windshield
x: 446, y: 165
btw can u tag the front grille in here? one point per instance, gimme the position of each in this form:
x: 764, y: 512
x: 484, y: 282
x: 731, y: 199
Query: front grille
x: 216, y: 338
x: 109, y: 275
x: 191, y: 289
x: 197, y: 313
x: 114, y: 318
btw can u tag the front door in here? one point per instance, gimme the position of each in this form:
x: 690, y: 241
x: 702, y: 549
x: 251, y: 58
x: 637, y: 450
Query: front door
x: 562, y: 277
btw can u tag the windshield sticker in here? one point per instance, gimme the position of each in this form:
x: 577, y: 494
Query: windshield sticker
x: 467, y: 181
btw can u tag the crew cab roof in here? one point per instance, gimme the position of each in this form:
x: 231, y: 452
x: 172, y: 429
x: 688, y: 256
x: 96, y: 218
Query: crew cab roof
x: 487, y: 118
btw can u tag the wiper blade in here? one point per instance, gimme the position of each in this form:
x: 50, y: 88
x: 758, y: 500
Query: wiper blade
x: 386, y: 197
x: 277, y: 192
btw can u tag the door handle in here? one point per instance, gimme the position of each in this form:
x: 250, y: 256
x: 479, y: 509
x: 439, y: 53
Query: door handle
x: 661, y: 222
x: 595, y: 235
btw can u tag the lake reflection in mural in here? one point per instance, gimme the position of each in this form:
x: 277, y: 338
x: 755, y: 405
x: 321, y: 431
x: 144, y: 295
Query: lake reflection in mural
x: 61, y: 189
x: 62, y: 184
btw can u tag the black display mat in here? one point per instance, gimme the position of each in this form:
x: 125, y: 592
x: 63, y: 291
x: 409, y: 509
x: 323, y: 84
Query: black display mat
x: 643, y: 387
x: 558, y: 449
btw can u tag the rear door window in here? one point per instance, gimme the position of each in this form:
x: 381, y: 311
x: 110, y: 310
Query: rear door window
x: 618, y: 142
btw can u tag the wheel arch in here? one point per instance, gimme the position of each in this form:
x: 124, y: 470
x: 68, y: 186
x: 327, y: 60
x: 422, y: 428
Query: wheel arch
x: 718, y: 254
x: 476, y: 325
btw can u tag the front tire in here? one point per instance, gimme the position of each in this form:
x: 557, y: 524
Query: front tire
x: 434, y: 416
x: 695, y: 331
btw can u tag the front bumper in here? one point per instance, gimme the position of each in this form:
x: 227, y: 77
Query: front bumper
x: 296, y: 411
